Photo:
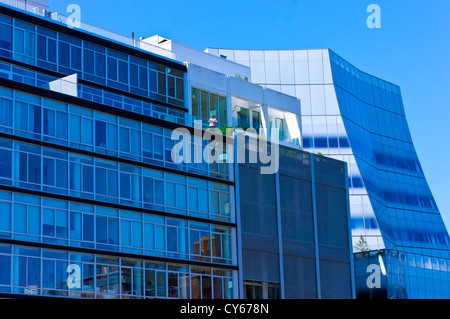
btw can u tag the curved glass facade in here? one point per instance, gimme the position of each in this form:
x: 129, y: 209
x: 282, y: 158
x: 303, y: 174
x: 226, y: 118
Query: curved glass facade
x: 358, y: 118
x: 352, y: 116
x: 376, y: 126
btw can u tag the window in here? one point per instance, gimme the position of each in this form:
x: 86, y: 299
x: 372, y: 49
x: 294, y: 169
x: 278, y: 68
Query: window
x: 81, y: 130
x: 105, y: 135
x: 307, y: 142
x: 24, y: 42
x: 28, y: 117
x: 94, y: 60
x: 5, y: 164
x: 343, y: 142
x: 55, y: 123
x: 195, y: 101
x: 54, y: 173
x: 170, y: 86
x: 55, y: 223
x: 5, y: 112
x: 204, y: 104
x: 5, y: 270
x: 243, y: 118
x: 320, y: 142
x: 46, y: 48
x: 180, y: 89
x: 256, y: 121
x: 69, y: 54
x: 162, y: 83
x: 277, y: 124
x: 30, y: 168
x: 130, y: 141
x: 107, y: 231
x: 261, y: 290
x: 153, y: 81
x: 5, y: 37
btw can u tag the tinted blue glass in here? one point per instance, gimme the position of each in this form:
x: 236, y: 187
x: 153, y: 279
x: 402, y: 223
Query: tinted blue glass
x: 5, y: 40
x: 61, y: 224
x: 357, y: 182
x: 112, y: 183
x: 123, y: 72
x: 41, y: 47
x: 34, y: 169
x: 100, y: 133
x: 75, y: 57
x: 100, y: 178
x: 49, y: 171
x: 112, y: 69
x: 88, y: 177
x: 148, y: 190
x: 159, y: 192
x: 75, y: 225
x: 100, y: 65
x: 64, y: 54
x: 49, y: 122
x: 88, y: 61
x: 143, y: 81
x: 62, y: 127
x: 125, y: 187
x: 5, y: 270
x: 153, y: 82
x: 48, y: 222
x: 307, y: 142
x: 5, y: 163
x: 5, y: 216
x: 88, y: 227
x: 320, y: 142
x: 343, y: 142
x: 134, y: 75
x: 113, y: 231
x: 61, y: 175
x: 51, y: 50
x: 101, y: 229
x: 137, y: 234
x: 333, y: 142
x: 5, y: 112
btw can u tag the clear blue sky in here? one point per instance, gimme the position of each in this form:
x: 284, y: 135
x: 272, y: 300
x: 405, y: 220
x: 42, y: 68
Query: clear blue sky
x: 412, y: 48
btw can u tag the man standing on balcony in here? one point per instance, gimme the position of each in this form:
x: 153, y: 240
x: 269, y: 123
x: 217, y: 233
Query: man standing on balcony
x: 212, y: 122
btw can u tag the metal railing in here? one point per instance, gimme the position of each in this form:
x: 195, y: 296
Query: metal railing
x: 35, y: 8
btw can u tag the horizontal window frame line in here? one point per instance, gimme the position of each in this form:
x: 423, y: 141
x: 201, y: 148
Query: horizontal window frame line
x: 367, y: 103
x: 378, y: 78
x: 96, y: 85
x: 97, y: 39
x: 118, y: 254
x: 120, y: 160
x: 15, y: 189
x: 388, y: 171
x: 61, y: 97
x: 374, y: 133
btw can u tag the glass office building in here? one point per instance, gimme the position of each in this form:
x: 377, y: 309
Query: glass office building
x: 293, y: 228
x: 353, y: 116
x: 86, y: 175
x: 89, y: 190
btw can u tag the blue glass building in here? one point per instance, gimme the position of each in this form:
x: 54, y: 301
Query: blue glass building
x: 86, y: 175
x: 353, y: 116
x: 92, y: 204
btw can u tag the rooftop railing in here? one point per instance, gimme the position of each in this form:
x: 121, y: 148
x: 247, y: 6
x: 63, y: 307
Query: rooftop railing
x: 35, y: 8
